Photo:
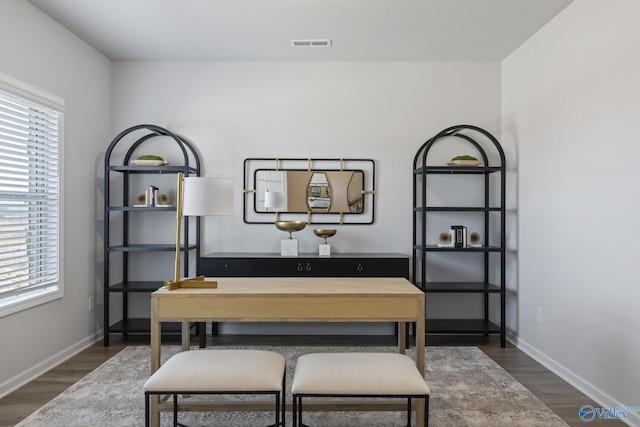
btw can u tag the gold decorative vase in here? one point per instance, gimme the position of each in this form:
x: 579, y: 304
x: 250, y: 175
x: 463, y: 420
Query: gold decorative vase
x: 290, y: 226
x: 324, y: 233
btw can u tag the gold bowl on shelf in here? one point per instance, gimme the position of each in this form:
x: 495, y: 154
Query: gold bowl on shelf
x: 324, y: 233
x: 290, y: 226
x: 463, y: 163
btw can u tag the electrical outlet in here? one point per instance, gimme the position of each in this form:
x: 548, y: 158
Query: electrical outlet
x: 539, y: 315
x: 92, y: 303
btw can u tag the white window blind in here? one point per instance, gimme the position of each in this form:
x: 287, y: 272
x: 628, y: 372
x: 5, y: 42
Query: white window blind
x: 29, y: 202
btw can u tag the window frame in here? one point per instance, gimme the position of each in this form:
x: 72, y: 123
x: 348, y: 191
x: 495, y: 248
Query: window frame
x: 13, y: 303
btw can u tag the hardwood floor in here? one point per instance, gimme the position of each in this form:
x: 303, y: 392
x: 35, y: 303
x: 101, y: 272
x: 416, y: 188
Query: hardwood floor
x: 559, y: 396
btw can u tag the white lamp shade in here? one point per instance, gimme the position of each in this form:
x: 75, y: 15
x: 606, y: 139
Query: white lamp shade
x: 275, y: 200
x: 204, y: 196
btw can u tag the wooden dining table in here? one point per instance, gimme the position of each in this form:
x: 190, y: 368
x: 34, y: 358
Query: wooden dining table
x: 290, y: 299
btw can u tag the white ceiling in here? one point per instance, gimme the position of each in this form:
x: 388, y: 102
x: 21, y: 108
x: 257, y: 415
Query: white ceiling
x: 377, y: 30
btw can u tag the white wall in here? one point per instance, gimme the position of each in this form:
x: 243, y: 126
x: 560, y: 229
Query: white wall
x: 570, y: 112
x: 378, y: 110
x: 40, y: 52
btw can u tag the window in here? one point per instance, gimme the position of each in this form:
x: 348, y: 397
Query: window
x: 30, y: 219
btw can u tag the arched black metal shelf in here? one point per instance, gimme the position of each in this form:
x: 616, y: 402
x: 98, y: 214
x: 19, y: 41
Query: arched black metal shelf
x: 118, y: 161
x: 492, y: 163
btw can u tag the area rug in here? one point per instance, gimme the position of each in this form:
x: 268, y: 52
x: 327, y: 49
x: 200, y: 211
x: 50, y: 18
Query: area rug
x: 467, y: 389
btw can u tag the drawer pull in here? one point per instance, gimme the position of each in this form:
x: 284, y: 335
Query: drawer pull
x: 360, y: 267
x: 300, y: 268
x: 308, y: 267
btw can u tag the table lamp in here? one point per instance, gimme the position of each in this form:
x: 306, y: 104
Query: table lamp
x: 199, y: 196
x: 275, y: 200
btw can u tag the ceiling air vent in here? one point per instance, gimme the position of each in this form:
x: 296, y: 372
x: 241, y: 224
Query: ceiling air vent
x: 311, y: 43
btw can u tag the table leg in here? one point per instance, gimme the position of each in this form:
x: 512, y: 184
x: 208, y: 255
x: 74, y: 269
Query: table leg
x: 420, y: 354
x: 402, y: 337
x: 202, y: 334
x: 420, y: 337
x: 419, y: 411
x: 186, y: 336
x: 155, y: 360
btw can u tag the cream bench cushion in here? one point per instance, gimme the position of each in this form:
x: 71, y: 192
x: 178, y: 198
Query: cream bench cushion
x: 358, y: 374
x: 219, y: 371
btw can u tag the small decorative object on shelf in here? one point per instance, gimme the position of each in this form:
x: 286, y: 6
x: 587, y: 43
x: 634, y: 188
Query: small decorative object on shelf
x: 150, y: 160
x: 460, y: 236
x: 289, y: 247
x: 474, y: 239
x: 163, y: 199
x: 465, y: 160
x: 151, y: 197
x: 324, y: 248
x: 446, y: 239
x: 152, y: 192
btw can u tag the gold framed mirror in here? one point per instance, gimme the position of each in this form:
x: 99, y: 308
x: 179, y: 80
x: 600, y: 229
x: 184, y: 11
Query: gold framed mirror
x: 318, y: 191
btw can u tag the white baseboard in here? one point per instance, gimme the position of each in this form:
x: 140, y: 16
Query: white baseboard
x: 590, y: 390
x: 12, y: 384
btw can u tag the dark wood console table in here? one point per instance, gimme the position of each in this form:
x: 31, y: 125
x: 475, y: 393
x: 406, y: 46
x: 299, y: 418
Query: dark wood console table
x: 309, y: 265
x: 260, y: 264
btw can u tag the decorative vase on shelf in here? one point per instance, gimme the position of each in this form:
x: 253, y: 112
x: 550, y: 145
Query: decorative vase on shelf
x: 324, y: 248
x: 289, y: 247
x: 474, y: 239
x: 446, y: 239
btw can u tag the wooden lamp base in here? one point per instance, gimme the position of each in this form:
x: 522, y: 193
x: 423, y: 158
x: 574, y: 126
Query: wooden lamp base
x: 191, y: 282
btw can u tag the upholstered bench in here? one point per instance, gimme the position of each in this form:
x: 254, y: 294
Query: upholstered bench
x: 364, y: 375
x: 220, y: 372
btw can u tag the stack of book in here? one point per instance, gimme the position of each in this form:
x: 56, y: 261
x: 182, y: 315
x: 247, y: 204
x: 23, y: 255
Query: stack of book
x: 460, y: 236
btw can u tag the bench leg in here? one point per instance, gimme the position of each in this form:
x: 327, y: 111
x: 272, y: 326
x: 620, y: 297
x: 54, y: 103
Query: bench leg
x: 175, y: 410
x: 294, y: 411
x: 297, y: 412
x: 146, y: 410
x: 281, y: 403
x: 301, y: 424
x: 277, y: 411
x: 426, y: 411
x: 284, y: 397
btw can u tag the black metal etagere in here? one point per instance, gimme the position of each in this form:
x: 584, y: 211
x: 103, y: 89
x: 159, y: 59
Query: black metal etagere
x: 481, y: 141
x: 118, y: 161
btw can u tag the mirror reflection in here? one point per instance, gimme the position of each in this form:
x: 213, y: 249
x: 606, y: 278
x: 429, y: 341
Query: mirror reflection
x: 319, y: 193
x: 311, y: 191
